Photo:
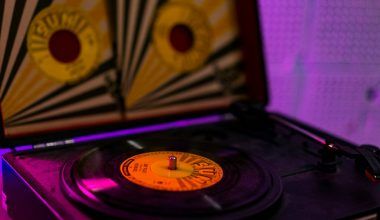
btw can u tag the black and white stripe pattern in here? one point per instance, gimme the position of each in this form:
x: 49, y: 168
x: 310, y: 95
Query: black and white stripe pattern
x: 134, y: 27
x: 62, y: 105
x: 135, y: 46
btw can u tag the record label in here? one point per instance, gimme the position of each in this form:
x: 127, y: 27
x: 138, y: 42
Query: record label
x: 63, y: 43
x: 151, y: 170
x: 182, y: 36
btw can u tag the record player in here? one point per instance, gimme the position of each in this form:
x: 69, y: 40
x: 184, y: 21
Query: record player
x: 156, y: 109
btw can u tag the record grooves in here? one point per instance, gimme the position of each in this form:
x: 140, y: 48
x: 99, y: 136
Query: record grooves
x: 240, y: 185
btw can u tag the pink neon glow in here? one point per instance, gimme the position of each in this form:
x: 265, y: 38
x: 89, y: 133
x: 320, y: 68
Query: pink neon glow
x: 99, y: 184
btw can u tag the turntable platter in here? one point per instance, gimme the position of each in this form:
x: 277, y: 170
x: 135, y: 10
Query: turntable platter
x: 166, y: 178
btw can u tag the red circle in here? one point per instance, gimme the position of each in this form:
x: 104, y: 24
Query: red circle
x: 181, y: 38
x: 64, y: 46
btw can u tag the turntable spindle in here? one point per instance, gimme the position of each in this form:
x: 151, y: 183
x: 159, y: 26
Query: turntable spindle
x: 172, y: 162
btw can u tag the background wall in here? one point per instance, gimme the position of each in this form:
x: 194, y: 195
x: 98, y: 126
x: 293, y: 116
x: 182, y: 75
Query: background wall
x: 323, y: 60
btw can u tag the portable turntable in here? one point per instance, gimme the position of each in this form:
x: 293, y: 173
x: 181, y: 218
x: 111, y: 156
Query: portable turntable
x: 156, y: 109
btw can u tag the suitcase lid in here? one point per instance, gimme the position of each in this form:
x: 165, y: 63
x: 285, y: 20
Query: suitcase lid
x: 83, y: 67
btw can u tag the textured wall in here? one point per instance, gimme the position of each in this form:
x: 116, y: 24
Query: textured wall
x: 323, y: 61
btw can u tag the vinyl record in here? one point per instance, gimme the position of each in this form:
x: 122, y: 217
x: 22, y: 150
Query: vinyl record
x: 123, y: 180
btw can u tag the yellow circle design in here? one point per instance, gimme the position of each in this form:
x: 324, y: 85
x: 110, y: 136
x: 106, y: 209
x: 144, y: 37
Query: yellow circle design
x: 151, y: 170
x: 53, y: 20
x: 187, y: 15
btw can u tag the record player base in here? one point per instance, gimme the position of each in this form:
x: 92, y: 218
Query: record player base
x: 33, y: 190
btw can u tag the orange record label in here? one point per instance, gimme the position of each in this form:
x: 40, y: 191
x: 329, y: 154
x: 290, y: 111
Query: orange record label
x: 152, y: 170
x: 63, y: 43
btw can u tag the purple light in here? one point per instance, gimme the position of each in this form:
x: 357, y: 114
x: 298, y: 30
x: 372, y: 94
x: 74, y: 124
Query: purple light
x: 150, y: 128
x: 24, y: 147
x: 125, y: 132
x: 5, y: 150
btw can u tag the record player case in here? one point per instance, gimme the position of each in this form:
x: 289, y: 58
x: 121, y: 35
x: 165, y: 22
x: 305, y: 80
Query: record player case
x: 319, y: 175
